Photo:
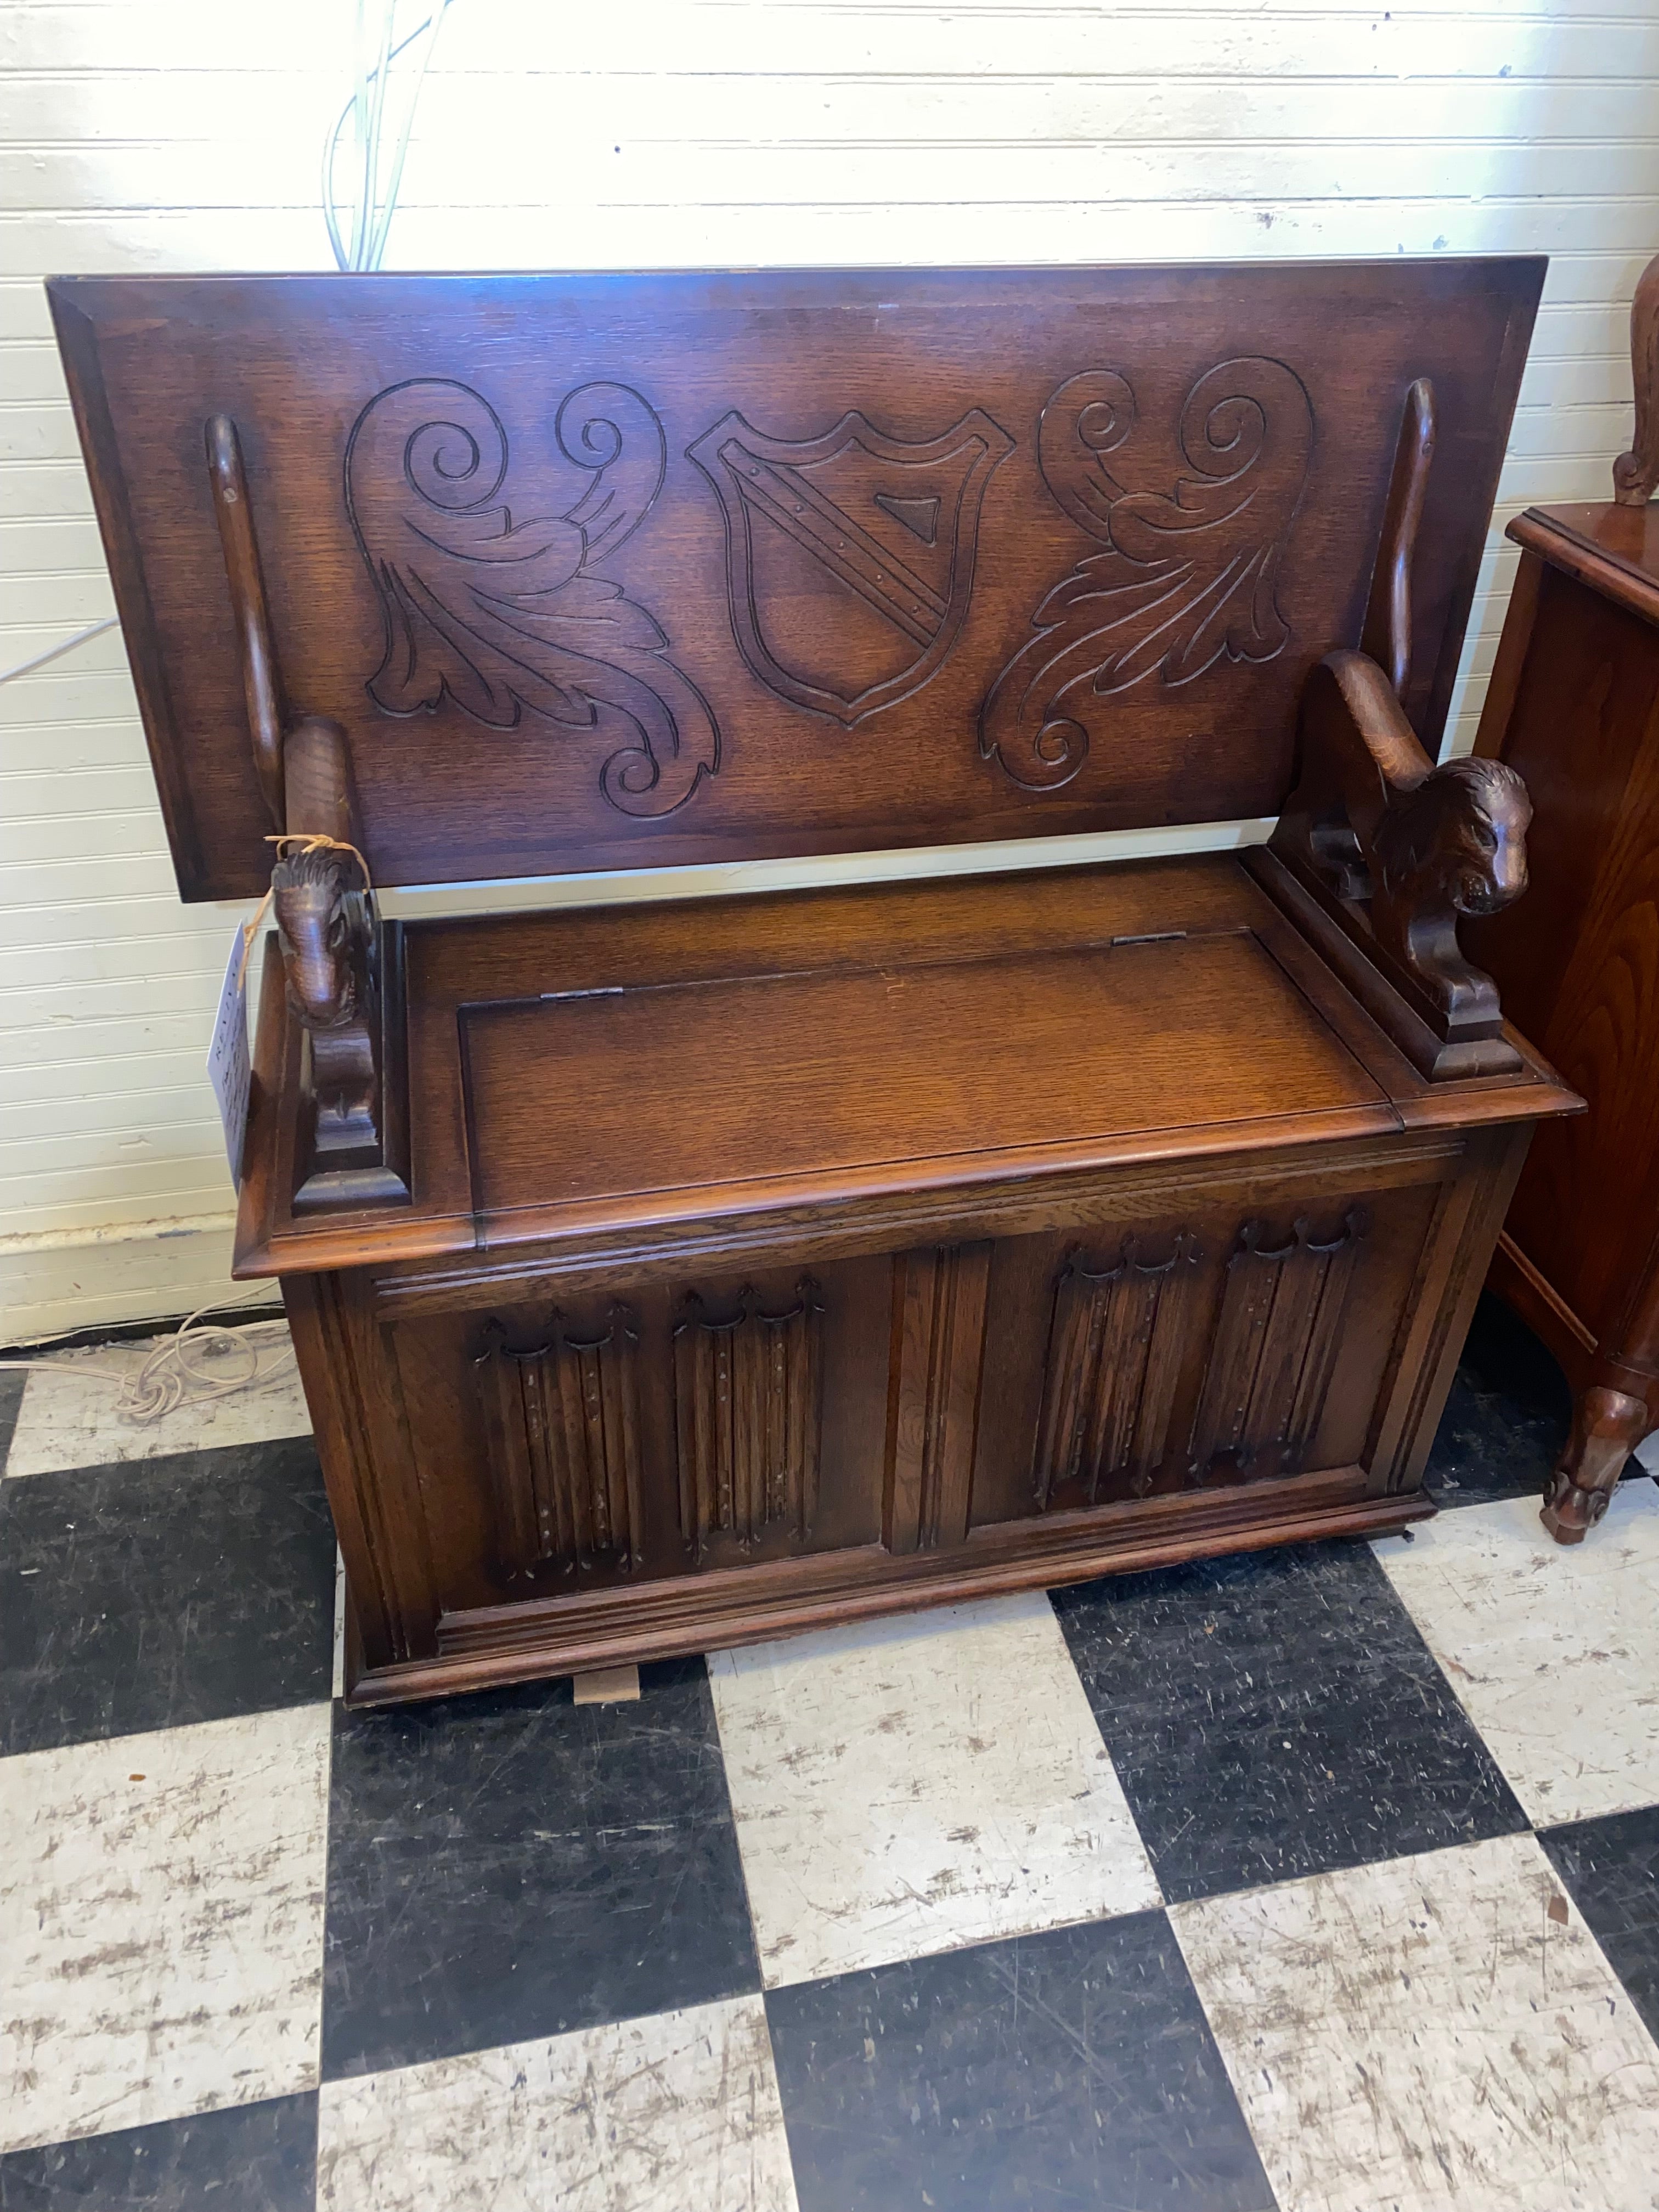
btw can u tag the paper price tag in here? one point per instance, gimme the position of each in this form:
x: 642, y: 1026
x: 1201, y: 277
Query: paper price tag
x: 228, y: 1068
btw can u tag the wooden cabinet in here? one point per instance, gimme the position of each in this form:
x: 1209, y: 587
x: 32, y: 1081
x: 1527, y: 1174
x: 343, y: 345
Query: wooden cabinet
x: 1574, y: 706
x: 1204, y: 1290
x: 666, y: 1275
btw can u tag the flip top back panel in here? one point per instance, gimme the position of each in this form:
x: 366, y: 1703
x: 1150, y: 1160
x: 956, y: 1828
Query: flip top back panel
x: 603, y: 571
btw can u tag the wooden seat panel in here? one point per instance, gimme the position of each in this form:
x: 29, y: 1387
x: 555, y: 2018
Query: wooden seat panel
x: 757, y: 1076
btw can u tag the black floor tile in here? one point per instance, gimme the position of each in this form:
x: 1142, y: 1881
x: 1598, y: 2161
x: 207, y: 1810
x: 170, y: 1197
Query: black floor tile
x: 1072, y: 2071
x: 510, y: 1865
x: 1275, y: 1715
x: 1506, y: 1418
x: 253, y: 2158
x: 157, y: 1592
x: 12, y: 1386
x: 1612, y: 1868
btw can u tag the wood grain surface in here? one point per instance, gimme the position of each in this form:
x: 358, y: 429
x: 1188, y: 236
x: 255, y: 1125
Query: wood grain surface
x: 616, y: 571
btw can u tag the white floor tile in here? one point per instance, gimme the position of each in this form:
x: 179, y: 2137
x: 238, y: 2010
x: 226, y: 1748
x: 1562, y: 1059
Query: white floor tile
x: 1422, y: 2036
x: 909, y: 1786
x: 675, y: 2114
x: 1553, y: 1649
x: 161, y: 1924
x: 71, y: 1418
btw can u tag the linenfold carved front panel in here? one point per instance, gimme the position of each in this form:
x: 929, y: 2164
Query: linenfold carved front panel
x: 1183, y: 1358
x: 1274, y: 1347
x: 938, y: 1337
x: 603, y: 571
x: 748, y: 1414
x: 1113, y: 1368
x: 563, y: 1421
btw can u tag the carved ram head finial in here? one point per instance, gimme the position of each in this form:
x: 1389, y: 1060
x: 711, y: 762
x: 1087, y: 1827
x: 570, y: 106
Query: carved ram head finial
x: 316, y: 920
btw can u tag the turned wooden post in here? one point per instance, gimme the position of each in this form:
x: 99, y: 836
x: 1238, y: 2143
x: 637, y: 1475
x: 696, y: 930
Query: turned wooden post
x: 1636, y: 474
x: 1387, y: 635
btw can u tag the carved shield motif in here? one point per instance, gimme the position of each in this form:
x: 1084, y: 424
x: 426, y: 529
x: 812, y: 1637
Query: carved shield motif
x: 849, y: 556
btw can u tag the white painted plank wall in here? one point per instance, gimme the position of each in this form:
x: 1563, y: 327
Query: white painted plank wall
x: 177, y: 135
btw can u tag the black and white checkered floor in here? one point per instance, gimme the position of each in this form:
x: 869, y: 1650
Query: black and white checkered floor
x: 1324, y: 1880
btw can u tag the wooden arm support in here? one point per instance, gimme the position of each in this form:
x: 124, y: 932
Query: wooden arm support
x: 1396, y: 848
x: 334, y: 963
x: 1387, y: 636
x: 1636, y: 474
x: 341, y: 967
x: 247, y: 600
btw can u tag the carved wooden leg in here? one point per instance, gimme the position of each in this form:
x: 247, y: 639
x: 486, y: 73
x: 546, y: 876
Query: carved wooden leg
x: 1607, y: 1427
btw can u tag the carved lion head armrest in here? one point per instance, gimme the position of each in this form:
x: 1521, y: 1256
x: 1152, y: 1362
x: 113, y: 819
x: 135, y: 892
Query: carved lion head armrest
x: 1400, y: 848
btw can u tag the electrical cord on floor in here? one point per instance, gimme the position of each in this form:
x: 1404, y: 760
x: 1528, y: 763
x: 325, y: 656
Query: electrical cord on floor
x: 175, y: 1374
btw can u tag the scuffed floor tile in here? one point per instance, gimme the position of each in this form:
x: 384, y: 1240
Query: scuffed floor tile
x: 337, y: 1685
x: 161, y: 1924
x: 907, y: 1786
x: 1071, y: 2071
x: 1275, y: 1715
x: 675, y: 2113
x: 12, y: 1386
x: 1552, y: 1648
x: 1506, y: 1417
x: 248, y: 2158
x: 1612, y: 1868
x: 70, y: 1417
x: 1435, y: 2034
x: 511, y: 1865
x: 164, y: 1592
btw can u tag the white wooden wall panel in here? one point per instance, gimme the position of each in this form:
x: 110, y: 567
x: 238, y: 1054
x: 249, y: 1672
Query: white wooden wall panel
x: 185, y: 134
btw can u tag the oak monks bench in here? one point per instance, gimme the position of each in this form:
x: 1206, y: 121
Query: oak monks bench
x: 669, y: 1274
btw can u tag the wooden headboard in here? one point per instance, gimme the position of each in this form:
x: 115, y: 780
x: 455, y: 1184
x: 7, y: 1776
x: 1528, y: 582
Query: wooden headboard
x: 625, y: 571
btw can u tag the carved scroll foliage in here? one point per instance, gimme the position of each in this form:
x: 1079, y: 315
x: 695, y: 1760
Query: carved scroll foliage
x: 1184, y: 577
x: 1274, y: 1349
x: 563, y: 1422
x: 504, y: 616
x: 1109, y: 1380
x: 748, y: 1392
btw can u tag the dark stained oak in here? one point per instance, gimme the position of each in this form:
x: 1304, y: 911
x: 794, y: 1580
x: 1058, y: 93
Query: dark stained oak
x: 1574, y: 706
x: 671, y: 1275
x: 1396, y: 849
x: 1387, y: 636
x: 615, y: 571
x: 227, y: 480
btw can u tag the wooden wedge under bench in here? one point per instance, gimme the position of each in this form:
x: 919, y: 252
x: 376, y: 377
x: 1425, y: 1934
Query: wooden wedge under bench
x: 669, y: 1274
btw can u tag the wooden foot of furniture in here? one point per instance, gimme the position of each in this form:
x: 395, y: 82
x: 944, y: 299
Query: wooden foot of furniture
x: 1607, y: 1427
x: 607, y: 1685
